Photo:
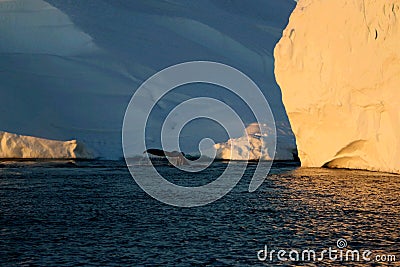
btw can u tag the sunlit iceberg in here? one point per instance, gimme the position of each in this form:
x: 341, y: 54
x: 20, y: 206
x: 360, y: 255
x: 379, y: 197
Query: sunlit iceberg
x: 257, y: 145
x: 338, y: 65
x: 27, y: 147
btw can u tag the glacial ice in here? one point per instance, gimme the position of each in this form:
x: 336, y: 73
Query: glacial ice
x: 256, y: 146
x: 69, y: 68
x: 20, y: 146
x: 338, y: 65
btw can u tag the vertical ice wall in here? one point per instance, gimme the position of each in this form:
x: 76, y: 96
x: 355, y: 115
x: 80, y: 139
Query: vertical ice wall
x: 69, y: 68
x: 338, y: 65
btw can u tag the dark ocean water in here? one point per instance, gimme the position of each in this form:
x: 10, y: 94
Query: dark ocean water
x: 94, y: 214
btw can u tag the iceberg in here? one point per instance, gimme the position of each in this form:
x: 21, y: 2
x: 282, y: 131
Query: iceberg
x: 256, y: 146
x: 69, y: 68
x: 27, y: 147
x: 338, y: 65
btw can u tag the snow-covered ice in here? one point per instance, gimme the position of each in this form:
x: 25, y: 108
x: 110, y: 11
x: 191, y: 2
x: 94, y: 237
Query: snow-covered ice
x: 338, y: 65
x: 256, y: 146
x: 69, y: 68
x: 20, y: 146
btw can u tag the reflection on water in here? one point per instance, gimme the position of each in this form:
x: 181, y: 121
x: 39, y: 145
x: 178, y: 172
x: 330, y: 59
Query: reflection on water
x: 362, y: 207
x: 82, y: 213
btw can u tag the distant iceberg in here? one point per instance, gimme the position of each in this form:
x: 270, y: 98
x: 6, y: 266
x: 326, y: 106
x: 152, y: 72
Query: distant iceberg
x: 256, y: 146
x: 22, y: 147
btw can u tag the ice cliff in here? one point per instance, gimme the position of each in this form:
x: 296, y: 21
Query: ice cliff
x: 20, y: 146
x: 338, y: 65
x: 69, y: 68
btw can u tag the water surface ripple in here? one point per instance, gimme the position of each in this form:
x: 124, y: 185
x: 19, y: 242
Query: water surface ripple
x: 93, y: 214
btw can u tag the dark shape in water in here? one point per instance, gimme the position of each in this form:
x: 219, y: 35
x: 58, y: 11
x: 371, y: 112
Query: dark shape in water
x: 180, y: 156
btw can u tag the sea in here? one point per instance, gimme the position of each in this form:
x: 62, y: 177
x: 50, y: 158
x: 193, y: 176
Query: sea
x: 92, y: 213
